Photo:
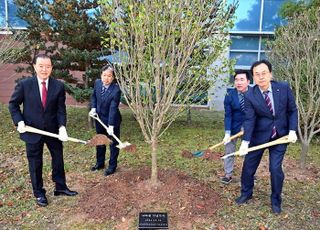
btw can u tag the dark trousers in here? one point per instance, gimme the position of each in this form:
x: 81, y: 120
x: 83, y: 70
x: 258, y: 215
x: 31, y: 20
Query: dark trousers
x: 101, y: 149
x: 35, y: 159
x: 250, y: 165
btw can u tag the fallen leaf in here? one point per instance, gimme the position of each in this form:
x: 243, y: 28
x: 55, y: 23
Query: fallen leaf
x: 200, y: 206
x: 262, y: 227
x: 10, y: 203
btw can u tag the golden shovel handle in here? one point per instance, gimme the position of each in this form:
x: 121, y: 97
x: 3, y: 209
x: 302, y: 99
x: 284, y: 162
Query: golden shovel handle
x: 282, y: 140
x: 42, y: 132
x: 239, y: 134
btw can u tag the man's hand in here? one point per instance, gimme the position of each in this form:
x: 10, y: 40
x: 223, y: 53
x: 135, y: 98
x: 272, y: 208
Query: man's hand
x: 243, y: 150
x: 92, y: 112
x: 292, y: 136
x: 226, y: 138
x: 110, y: 130
x: 21, y: 127
x: 63, y: 136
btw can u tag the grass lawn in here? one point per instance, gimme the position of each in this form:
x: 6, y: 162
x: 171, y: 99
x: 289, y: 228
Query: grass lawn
x: 301, y: 194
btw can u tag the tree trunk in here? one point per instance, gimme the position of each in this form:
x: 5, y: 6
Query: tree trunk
x: 154, y: 167
x: 303, y: 155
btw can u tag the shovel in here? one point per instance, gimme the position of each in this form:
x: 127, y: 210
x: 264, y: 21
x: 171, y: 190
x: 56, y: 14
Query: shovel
x: 201, y: 153
x: 122, y: 145
x: 282, y: 140
x: 96, y: 140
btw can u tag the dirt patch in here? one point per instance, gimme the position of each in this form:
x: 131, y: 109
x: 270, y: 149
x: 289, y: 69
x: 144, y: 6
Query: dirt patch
x: 205, y: 154
x: 292, y: 170
x: 213, y: 156
x: 126, y: 193
x: 186, y: 154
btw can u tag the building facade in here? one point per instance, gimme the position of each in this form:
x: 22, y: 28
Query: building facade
x: 255, y: 23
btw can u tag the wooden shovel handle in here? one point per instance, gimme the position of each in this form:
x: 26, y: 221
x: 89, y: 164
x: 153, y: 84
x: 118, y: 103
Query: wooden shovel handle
x: 282, y: 140
x: 106, y: 127
x: 239, y: 134
x: 42, y: 132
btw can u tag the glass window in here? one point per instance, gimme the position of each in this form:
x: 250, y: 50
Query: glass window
x: 242, y: 42
x: 263, y: 56
x: 2, y: 14
x: 14, y: 20
x: 244, y: 58
x: 264, y: 41
x: 270, y: 14
x: 247, y: 15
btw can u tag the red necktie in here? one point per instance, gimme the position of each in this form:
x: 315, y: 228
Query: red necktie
x: 269, y: 104
x: 44, y: 94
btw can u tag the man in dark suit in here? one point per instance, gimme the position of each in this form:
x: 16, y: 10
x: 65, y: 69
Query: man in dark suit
x: 270, y: 113
x: 105, y: 102
x: 43, y: 100
x: 233, y: 118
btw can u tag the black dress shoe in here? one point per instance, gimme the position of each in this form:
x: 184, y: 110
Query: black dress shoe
x: 65, y: 192
x: 109, y: 172
x: 243, y: 199
x: 42, y: 201
x: 97, y: 167
x: 276, y: 209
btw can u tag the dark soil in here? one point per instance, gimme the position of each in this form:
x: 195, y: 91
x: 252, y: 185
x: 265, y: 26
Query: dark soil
x: 207, y: 154
x: 123, y: 195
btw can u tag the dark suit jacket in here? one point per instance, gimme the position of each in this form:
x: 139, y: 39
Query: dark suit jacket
x: 33, y: 114
x: 258, y: 118
x: 233, y: 115
x: 108, y: 105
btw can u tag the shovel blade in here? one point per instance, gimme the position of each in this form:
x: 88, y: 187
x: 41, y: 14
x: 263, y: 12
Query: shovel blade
x: 198, y: 153
x: 123, y: 145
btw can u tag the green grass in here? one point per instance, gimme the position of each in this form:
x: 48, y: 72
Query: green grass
x: 18, y: 210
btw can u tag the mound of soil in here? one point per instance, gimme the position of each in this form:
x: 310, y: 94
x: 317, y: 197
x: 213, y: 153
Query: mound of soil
x: 207, y: 154
x: 123, y: 195
x: 213, y: 156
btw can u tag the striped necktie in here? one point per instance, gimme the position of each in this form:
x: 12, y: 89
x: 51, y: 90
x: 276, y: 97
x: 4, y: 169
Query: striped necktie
x: 104, y: 90
x: 241, y: 101
x: 269, y: 104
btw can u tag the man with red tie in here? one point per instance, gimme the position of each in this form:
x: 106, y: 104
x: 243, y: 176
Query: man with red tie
x: 270, y: 113
x: 43, y: 100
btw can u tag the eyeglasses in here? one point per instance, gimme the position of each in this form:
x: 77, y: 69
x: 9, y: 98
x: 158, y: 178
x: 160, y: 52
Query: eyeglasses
x: 263, y: 74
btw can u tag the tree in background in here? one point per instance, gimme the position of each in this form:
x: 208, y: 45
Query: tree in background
x: 9, y: 42
x: 292, y: 7
x: 295, y: 56
x: 166, y: 48
x: 70, y: 32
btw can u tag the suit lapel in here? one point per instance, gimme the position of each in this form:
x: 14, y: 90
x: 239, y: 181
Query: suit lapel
x: 109, y: 90
x: 236, y: 98
x: 51, y: 88
x: 276, y: 97
x: 258, y: 95
x: 35, y: 91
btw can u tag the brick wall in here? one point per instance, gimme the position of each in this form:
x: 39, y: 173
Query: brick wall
x: 8, y: 77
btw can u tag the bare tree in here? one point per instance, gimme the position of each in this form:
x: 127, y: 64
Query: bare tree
x: 10, y: 45
x: 295, y: 55
x: 166, y: 48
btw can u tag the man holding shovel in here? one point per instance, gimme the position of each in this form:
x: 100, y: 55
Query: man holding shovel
x: 270, y: 113
x: 233, y: 118
x: 43, y: 100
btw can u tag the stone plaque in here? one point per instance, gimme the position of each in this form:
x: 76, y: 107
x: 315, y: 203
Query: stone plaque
x: 153, y: 220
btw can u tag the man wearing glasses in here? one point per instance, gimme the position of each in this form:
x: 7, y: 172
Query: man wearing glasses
x: 270, y: 113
